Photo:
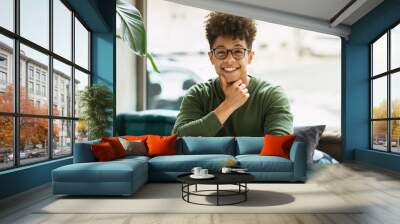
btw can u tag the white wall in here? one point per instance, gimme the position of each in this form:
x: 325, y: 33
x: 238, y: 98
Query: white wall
x: 126, y: 78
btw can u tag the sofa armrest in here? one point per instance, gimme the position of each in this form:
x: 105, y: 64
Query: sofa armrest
x: 298, y: 156
x: 83, y: 152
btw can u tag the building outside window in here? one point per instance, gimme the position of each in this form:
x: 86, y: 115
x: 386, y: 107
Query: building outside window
x: 34, y: 79
x: 3, y: 78
x: 30, y: 87
x: 43, y: 90
x: 30, y: 72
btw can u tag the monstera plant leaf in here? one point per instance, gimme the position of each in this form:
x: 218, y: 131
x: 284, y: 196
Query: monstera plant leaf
x: 132, y: 30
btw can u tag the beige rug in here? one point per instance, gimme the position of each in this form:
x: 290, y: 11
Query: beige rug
x: 166, y: 198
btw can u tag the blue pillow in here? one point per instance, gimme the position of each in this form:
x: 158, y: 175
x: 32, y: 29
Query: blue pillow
x: 206, y: 145
x: 249, y: 145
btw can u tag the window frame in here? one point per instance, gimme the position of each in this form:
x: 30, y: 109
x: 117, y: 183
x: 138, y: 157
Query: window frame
x: 16, y: 115
x: 388, y: 74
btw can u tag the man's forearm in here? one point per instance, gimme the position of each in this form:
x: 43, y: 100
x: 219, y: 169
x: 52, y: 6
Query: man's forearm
x: 223, y: 111
x: 208, y: 125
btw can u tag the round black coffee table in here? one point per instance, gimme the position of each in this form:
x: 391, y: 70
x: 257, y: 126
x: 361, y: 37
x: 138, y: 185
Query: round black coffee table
x: 238, y: 179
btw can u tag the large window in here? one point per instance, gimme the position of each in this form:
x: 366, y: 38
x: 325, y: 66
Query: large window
x: 385, y: 91
x: 305, y: 64
x: 44, y: 64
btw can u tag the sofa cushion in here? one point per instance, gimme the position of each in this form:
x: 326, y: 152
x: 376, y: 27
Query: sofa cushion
x: 249, y: 145
x: 257, y: 163
x: 161, y: 145
x: 277, y: 145
x: 118, y: 171
x: 103, y: 152
x: 83, y: 152
x: 116, y: 145
x: 135, y: 147
x: 185, y: 163
x: 309, y: 135
x: 206, y: 145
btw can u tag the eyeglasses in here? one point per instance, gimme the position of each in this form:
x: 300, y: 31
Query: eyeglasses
x: 222, y: 53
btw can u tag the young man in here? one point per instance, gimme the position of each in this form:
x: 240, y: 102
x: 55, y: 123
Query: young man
x: 235, y: 103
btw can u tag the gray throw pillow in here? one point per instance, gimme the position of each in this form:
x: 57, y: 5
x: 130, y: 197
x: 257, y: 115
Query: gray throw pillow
x: 310, y: 135
x: 136, y: 147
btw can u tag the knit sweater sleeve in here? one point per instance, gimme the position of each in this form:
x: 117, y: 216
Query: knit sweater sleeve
x: 192, y: 120
x: 278, y: 118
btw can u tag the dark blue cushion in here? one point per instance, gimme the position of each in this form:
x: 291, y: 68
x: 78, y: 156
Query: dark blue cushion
x: 185, y: 163
x: 249, y: 145
x: 206, y: 145
x: 257, y: 163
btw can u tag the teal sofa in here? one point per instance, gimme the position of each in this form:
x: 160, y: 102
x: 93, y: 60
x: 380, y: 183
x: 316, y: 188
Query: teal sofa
x: 125, y: 176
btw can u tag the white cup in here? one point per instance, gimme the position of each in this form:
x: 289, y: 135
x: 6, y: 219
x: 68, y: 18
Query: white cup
x: 226, y: 170
x: 196, y: 170
x: 203, y: 172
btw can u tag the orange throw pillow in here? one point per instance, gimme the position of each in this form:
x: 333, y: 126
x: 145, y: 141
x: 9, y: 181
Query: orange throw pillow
x: 134, y: 138
x: 277, y: 145
x: 103, y: 152
x: 116, y: 145
x: 161, y: 145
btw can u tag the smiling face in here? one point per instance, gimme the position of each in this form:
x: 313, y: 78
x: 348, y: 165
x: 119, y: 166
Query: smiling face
x: 231, y: 68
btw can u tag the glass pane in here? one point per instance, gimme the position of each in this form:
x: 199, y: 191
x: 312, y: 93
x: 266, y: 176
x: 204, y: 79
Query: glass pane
x: 33, y: 139
x: 62, y: 138
x: 34, y: 97
x: 62, y: 29
x: 379, y: 97
x: 395, y: 95
x: 81, y: 45
x: 166, y: 90
x: 379, y: 55
x: 81, y: 81
x: 6, y: 142
x: 35, y: 21
x: 395, y: 136
x: 395, y: 47
x: 379, y: 135
x: 81, y: 131
x: 6, y: 74
x: 7, y: 14
x: 62, y: 89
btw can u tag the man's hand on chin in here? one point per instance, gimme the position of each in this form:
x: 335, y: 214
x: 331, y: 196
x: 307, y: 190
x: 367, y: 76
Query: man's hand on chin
x: 236, y: 94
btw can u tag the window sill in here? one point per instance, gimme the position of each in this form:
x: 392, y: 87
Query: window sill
x: 26, y: 167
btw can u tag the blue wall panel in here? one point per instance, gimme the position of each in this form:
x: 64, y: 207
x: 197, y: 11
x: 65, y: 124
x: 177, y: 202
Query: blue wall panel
x: 24, y: 178
x: 356, y: 85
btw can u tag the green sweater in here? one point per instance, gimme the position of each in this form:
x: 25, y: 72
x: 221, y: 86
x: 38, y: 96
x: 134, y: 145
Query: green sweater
x: 266, y: 111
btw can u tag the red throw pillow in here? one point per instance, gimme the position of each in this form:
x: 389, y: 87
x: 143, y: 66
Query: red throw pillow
x: 161, y: 145
x: 103, y: 152
x: 277, y: 145
x: 116, y: 145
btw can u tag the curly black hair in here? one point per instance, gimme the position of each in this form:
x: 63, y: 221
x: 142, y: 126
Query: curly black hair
x: 218, y: 24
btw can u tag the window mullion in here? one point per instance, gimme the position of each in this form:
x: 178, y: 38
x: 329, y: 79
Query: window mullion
x: 389, y: 106
x: 73, y: 82
x: 16, y: 84
x: 50, y: 81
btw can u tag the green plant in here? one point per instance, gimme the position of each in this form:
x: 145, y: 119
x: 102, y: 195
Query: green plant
x: 132, y: 30
x: 96, y: 102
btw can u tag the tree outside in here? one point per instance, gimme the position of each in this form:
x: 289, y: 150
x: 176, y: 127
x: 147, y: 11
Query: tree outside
x: 33, y: 131
x: 379, y: 128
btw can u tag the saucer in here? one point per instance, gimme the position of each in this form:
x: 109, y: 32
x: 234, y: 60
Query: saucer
x: 208, y: 176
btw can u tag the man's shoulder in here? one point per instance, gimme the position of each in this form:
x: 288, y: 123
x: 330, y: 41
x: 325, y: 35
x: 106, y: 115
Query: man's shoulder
x: 263, y: 86
x: 202, y: 88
